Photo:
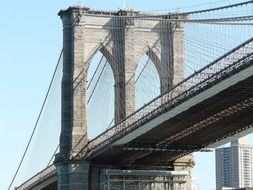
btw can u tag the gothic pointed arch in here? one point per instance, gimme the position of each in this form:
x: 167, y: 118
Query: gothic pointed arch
x: 100, y: 93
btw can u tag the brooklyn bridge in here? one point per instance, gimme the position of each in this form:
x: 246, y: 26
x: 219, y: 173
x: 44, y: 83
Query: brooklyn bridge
x: 136, y: 93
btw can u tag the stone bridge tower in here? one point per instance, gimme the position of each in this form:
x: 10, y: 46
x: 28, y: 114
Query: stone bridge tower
x: 122, y: 37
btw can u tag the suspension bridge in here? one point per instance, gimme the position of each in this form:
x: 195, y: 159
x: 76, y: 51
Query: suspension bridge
x: 135, y: 93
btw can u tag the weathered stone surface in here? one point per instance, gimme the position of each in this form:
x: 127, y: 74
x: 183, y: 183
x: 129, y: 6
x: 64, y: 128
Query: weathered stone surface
x: 123, y: 41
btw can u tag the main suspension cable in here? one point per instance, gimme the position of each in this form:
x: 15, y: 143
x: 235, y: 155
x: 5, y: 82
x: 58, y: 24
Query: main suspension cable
x: 36, y: 123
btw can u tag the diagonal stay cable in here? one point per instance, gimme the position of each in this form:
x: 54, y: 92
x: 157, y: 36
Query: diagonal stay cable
x: 92, y: 78
x: 138, y: 77
x: 37, y: 121
x: 125, y: 83
x: 51, y: 159
x: 142, y: 70
x: 99, y: 77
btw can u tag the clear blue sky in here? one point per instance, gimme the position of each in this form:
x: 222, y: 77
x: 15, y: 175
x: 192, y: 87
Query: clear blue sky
x: 30, y: 43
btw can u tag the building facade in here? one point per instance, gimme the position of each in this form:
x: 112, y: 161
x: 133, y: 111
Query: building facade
x: 234, y: 165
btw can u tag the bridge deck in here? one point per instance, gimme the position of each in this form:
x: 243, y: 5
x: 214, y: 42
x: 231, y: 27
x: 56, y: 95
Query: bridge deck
x: 193, y: 129
x: 208, y: 106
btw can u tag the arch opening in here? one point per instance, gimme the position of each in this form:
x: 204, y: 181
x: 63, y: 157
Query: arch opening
x: 147, y: 81
x: 99, y: 95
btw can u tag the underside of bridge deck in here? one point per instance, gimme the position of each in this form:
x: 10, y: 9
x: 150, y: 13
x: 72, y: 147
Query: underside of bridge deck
x: 52, y: 186
x: 216, y: 118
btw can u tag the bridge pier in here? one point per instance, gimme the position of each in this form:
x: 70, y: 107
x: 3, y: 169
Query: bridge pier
x: 73, y: 175
x: 185, y: 163
x: 81, y: 176
x: 123, y: 41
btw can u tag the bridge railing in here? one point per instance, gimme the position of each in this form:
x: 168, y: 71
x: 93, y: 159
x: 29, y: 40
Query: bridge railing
x: 38, y: 178
x: 197, y: 81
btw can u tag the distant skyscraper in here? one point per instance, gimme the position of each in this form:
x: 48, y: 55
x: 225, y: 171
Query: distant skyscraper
x: 234, y: 165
